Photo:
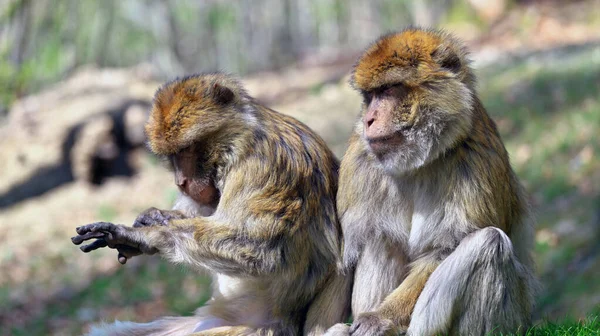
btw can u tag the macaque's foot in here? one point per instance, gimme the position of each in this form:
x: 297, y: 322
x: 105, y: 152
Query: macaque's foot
x: 372, y: 324
x: 128, y: 241
x: 154, y: 216
x: 340, y: 329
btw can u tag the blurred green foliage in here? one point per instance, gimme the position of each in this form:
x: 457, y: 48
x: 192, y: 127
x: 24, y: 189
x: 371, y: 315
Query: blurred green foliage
x: 45, y: 40
x: 547, y: 109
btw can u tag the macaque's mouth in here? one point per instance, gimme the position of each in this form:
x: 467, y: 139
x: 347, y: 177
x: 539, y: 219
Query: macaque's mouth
x: 382, y: 144
x: 205, y: 193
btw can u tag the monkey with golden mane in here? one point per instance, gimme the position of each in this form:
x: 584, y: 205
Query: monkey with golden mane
x: 257, y: 209
x: 437, y: 229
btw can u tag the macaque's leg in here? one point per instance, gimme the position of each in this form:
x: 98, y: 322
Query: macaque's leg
x: 172, y: 325
x: 226, y: 331
x: 207, y: 320
x: 332, y: 305
x: 393, y: 315
x: 479, y: 288
x: 379, y: 271
x: 247, y: 331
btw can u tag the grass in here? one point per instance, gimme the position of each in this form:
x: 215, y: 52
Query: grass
x: 588, y: 327
x: 137, y: 292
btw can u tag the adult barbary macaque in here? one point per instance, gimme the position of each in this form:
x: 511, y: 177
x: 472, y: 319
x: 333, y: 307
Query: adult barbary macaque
x: 257, y: 208
x: 436, y: 226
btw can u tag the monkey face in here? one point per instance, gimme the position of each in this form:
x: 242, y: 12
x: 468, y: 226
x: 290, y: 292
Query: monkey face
x: 418, y: 97
x: 389, y: 127
x: 406, y: 127
x: 388, y: 114
x: 192, y: 179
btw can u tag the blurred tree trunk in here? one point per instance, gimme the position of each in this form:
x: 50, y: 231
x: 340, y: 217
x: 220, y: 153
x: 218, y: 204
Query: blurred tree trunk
x: 427, y: 13
x: 108, y: 13
x: 174, y: 35
x: 45, y: 39
x: 22, y: 19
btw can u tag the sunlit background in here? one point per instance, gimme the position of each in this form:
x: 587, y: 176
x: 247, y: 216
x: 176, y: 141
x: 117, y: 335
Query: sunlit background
x: 77, y: 78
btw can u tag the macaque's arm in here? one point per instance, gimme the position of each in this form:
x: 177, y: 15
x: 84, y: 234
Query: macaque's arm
x: 199, y: 241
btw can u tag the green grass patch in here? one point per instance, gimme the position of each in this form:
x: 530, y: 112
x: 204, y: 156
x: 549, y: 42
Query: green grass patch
x: 569, y: 327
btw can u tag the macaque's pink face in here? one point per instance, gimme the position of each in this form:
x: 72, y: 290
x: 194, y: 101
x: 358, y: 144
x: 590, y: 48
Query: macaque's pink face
x: 388, y: 113
x: 190, y: 180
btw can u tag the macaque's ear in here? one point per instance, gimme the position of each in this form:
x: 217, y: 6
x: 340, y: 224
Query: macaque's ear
x: 446, y: 58
x: 222, y: 94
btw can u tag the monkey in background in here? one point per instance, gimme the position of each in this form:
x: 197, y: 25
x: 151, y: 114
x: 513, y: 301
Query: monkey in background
x: 436, y: 226
x: 257, y: 208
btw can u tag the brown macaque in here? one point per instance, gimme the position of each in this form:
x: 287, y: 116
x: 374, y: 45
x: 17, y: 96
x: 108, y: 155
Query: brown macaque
x: 257, y: 209
x: 437, y: 229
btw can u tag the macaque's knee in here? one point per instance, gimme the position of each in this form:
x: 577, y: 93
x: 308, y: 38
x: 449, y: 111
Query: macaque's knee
x: 489, y: 244
x: 482, y: 283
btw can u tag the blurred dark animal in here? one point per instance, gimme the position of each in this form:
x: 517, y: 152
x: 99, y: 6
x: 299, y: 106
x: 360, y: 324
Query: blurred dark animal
x: 91, y: 158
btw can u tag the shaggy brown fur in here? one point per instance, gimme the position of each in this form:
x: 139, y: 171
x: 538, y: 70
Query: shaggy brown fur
x: 436, y: 225
x: 272, y: 238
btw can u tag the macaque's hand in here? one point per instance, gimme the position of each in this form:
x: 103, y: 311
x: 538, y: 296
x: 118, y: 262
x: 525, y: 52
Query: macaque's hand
x: 154, y: 216
x: 372, y: 324
x: 340, y: 329
x: 125, y: 239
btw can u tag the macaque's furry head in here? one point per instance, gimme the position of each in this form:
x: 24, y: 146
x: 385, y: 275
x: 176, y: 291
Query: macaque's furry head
x: 411, y: 57
x: 190, y: 108
x: 418, y: 91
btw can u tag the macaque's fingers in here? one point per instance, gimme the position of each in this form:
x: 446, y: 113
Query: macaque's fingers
x: 122, y: 259
x: 99, y: 243
x: 371, y: 324
x: 154, y: 216
x: 87, y: 236
x: 141, y: 222
x: 95, y: 227
x: 112, y: 235
x: 146, y: 218
x: 128, y: 241
x: 128, y: 251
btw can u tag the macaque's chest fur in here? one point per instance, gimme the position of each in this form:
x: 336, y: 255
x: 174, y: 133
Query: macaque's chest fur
x: 420, y: 217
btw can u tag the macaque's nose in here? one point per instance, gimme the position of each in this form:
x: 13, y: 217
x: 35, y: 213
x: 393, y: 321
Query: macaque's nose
x: 181, y: 182
x: 369, y: 120
x: 374, y: 123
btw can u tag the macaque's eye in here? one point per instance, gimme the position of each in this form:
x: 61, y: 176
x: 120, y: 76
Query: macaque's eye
x: 396, y: 90
x: 367, y: 96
